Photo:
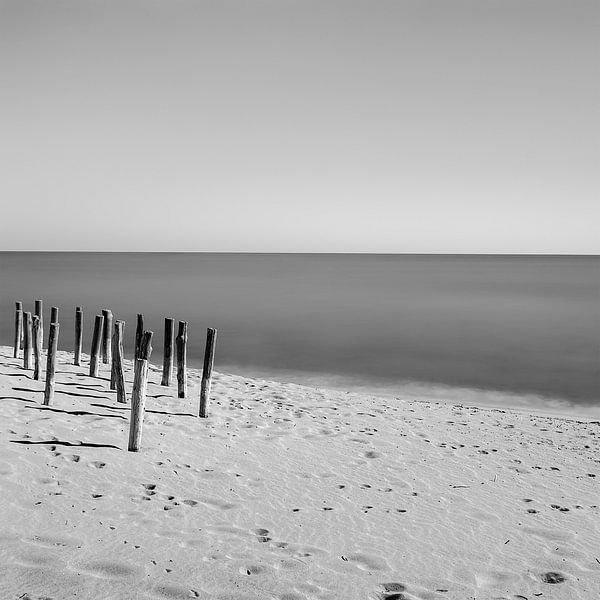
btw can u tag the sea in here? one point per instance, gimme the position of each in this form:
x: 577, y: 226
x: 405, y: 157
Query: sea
x: 506, y: 331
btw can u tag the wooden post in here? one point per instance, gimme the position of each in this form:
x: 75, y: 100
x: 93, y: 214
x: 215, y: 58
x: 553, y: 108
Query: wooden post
x: 168, y: 353
x: 146, y: 345
x: 117, y: 379
x: 209, y: 359
x: 138, y: 401
x: 37, y: 347
x: 27, y: 334
x: 78, y: 335
x: 39, y: 311
x: 95, y: 351
x: 51, y: 364
x: 139, y: 334
x: 18, y: 328
x: 181, y: 347
x: 54, y: 314
x: 106, y: 333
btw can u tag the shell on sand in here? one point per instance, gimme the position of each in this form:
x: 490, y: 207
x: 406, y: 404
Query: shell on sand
x: 288, y: 492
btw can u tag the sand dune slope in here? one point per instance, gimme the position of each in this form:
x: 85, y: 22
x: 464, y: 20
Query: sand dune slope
x: 289, y: 493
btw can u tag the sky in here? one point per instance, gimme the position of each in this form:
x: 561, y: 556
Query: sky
x: 446, y: 126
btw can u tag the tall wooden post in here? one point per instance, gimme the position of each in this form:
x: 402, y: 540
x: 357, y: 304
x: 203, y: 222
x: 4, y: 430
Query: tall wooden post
x: 181, y: 348
x: 51, y: 364
x: 54, y: 314
x: 209, y: 359
x: 106, y: 334
x: 168, y: 353
x: 27, y: 335
x: 117, y: 379
x: 146, y: 345
x: 95, y: 351
x: 138, y: 401
x: 78, y: 335
x: 139, y: 334
x: 37, y: 347
x: 18, y: 328
x: 39, y: 311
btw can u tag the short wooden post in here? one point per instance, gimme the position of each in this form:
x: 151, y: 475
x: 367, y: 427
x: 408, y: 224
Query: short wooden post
x: 107, y: 328
x: 168, y: 353
x: 209, y: 359
x: 27, y: 335
x: 139, y: 334
x: 146, y: 345
x: 138, y: 401
x: 78, y: 335
x: 117, y: 379
x: 181, y: 348
x: 37, y: 347
x: 39, y: 311
x: 54, y: 314
x: 18, y: 328
x: 95, y: 351
x: 51, y: 364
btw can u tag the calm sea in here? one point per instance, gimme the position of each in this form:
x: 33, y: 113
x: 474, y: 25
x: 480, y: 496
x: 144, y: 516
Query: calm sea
x: 492, y: 329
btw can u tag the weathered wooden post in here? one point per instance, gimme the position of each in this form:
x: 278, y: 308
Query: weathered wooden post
x: 107, y: 328
x: 146, y: 345
x: 168, y: 353
x: 181, y: 347
x: 37, y: 347
x: 78, y: 335
x: 18, y: 328
x: 209, y: 359
x: 139, y: 334
x: 138, y: 401
x: 95, y: 351
x: 117, y: 379
x: 51, y: 364
x: 27, y: 334
x: 39, y: 311
x: 54, y: 314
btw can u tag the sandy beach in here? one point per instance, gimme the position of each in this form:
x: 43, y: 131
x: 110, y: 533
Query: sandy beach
x: 289, y: 492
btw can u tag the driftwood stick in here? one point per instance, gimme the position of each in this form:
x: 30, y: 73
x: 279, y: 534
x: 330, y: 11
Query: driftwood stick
x: 181, y: 347
x: 146, y: 345
x: 209, y: 359
x: 51, y: 364
x: 37, y: 347
x: 78, y: 335
x: 117, y: 378
x: 138, y: 401
x: 27, y: 335
x: 106, y: 334
x: 95, y: 351
x: 18, y: 328
x: 39, y: 311
x: 168, y: 353
x: 139, y: 334
x: 54, y: 314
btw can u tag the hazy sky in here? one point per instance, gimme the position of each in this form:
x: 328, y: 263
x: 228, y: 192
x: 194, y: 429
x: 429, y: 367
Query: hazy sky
x: 300, y: 125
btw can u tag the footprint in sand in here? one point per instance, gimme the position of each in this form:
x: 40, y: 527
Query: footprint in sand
x: 552, y: 577
x: 110, y: 570
x: 98, y: 464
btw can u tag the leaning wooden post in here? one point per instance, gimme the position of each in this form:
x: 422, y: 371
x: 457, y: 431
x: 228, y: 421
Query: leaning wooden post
x: 27, y: 334
x: 54, y: 314
x: 168, y: 353
x: 181, y: 347
x: 39, y: 311
x: 51, y: 364
x: 95, y: 351
x: 209, y: 359
x: 18, y: 328
x: 139, y: 334
x: 138, y: 400
x: 117, y: 379
x: 37, y: 347
x: 146, y: 345
x: 106, y: 334
x: 78, y: 335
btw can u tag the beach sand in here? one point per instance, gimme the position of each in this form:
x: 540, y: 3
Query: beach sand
x: 289, y: 492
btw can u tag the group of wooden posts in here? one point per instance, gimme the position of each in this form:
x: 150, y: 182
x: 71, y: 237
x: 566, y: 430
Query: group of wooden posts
x: 29, y: 334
